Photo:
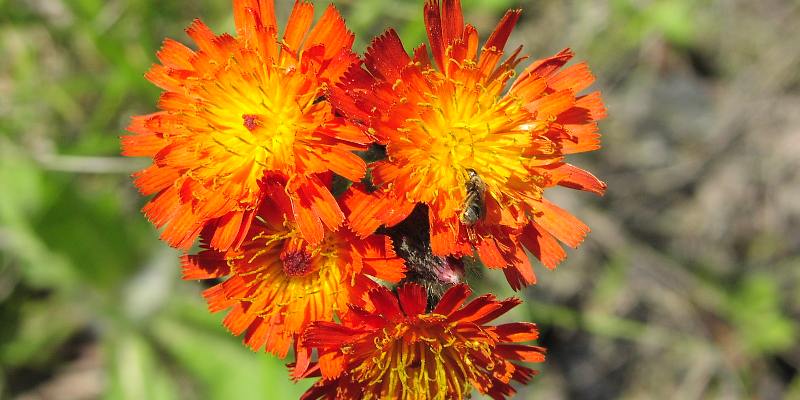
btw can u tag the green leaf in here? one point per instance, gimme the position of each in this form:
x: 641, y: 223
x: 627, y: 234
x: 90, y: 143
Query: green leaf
x: 223, y: 366
x: 755, y: 310
x: 41, y: 327
x: 136, y: 373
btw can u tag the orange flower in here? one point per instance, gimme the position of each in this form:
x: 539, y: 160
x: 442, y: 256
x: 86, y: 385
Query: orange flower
x: 240, y: 108
x: 478, y: 152
x: 395, y: 350
x: 277, y: 283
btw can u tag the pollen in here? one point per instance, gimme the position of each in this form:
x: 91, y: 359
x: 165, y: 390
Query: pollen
x: 250, y: 121
x: 296, y: 263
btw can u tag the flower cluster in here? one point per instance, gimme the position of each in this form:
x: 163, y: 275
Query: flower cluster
x: 260, y: 152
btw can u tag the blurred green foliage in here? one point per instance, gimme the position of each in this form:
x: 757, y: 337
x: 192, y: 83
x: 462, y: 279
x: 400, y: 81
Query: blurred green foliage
x: 91, y: 303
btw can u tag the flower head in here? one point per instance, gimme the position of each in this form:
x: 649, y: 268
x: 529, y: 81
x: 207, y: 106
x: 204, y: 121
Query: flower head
x: 393, y: 349
x: 474, y: 142
x: 240, y: 108
x: 277, y: 283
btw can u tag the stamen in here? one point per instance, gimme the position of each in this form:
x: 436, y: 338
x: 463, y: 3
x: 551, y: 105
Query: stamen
x: 296, y: 263
x: 250, y: 121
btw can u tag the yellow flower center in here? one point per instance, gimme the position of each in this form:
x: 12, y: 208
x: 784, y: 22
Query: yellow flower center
x: 299, y: 282
x: 257, y: 113
x: 420, y: 361
x: 466, y: 126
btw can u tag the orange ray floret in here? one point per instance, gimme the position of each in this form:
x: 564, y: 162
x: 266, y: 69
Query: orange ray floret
x: 238, y: 108
x: 476, y: 145
x: 276, y: 283
x: 393, y: 349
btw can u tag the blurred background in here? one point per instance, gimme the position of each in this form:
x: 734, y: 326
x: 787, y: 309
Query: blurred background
x: 687, y: 287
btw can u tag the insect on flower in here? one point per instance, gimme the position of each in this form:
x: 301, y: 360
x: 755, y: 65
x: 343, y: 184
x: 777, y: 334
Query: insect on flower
x: 474, y: 204
x: 473, y: 141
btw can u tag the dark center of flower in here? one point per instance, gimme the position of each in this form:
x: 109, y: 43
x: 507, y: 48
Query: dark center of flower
x: 296, y: 263
x: 250, y: 121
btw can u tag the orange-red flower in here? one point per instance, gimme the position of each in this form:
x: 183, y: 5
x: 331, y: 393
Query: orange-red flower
x: 276, y: 283
x: 395, y: 350
x: 478, y: 151
x: 242, y: 107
